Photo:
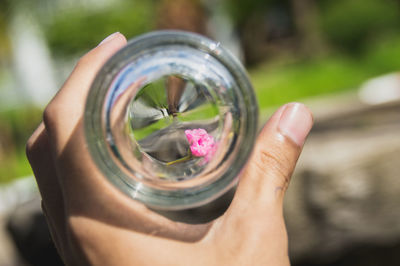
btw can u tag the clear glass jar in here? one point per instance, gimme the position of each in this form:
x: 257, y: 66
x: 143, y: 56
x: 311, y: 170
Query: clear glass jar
x: 171, y: 120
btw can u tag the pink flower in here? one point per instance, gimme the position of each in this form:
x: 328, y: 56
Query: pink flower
x: 201, y: 143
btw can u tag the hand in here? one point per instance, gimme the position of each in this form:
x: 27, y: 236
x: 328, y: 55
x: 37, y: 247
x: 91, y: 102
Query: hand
x: 92, y: 223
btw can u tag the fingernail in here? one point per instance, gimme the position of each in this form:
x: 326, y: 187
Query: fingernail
x: 109, y: 38
x: 296, y: 122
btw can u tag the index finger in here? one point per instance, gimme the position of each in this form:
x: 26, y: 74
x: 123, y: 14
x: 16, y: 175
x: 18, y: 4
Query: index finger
x: 66, y: 109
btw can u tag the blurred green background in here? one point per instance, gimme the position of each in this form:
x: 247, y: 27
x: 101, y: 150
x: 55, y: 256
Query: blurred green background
x: 292, y: 49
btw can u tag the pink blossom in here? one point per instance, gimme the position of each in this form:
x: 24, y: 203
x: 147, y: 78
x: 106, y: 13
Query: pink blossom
x: 201, y: 143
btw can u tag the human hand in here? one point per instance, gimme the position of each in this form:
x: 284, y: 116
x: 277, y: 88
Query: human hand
x: 92, y: 223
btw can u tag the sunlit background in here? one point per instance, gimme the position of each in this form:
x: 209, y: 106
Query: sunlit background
x: 340, y: 57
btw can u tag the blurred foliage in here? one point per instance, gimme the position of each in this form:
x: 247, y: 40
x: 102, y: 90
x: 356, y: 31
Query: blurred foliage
x: 16, y: 126
x: 4, y: 43
x: 367, y: 30
x: 240, y: 11
x: 68, y: 33
x: 340, y: 25
x: 348, y: 24
x: 276, y: 84
x: 14, y: 166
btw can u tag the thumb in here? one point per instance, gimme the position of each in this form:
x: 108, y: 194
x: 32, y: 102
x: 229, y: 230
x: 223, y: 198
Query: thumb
x: 267, y: 175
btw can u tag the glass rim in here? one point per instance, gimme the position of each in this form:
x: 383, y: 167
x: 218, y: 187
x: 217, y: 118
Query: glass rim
x: 156, y: 198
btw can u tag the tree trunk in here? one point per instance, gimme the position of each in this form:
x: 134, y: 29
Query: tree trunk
x: 305, y: 14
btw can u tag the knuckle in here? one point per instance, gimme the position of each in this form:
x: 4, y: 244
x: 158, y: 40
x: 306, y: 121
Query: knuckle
x: 83, y: 60
x: 49, y: 115
x: 276, y: 163
x: 273, y: 159
x: 29, y: 147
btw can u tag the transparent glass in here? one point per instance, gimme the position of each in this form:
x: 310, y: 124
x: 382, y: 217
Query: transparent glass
x: 171, y: 119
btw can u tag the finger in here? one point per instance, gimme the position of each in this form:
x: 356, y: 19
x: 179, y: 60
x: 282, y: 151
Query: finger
x: 67, y: 107
x: 267, y: 175
x: 39, y: 156
x: 76, y: 86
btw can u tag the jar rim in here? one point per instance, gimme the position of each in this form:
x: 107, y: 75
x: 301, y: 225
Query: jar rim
x: 154, y: 198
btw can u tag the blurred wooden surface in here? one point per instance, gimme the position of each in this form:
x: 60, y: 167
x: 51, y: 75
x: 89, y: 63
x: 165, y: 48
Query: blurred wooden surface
x: 345, y: 192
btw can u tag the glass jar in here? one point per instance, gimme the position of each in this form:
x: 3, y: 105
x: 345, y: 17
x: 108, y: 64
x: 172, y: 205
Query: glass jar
x: 171, y: 119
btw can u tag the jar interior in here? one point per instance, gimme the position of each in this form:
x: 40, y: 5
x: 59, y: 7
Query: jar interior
x: 172, y: 116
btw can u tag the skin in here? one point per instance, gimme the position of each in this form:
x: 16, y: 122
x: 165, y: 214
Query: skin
x: 92, y: 223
